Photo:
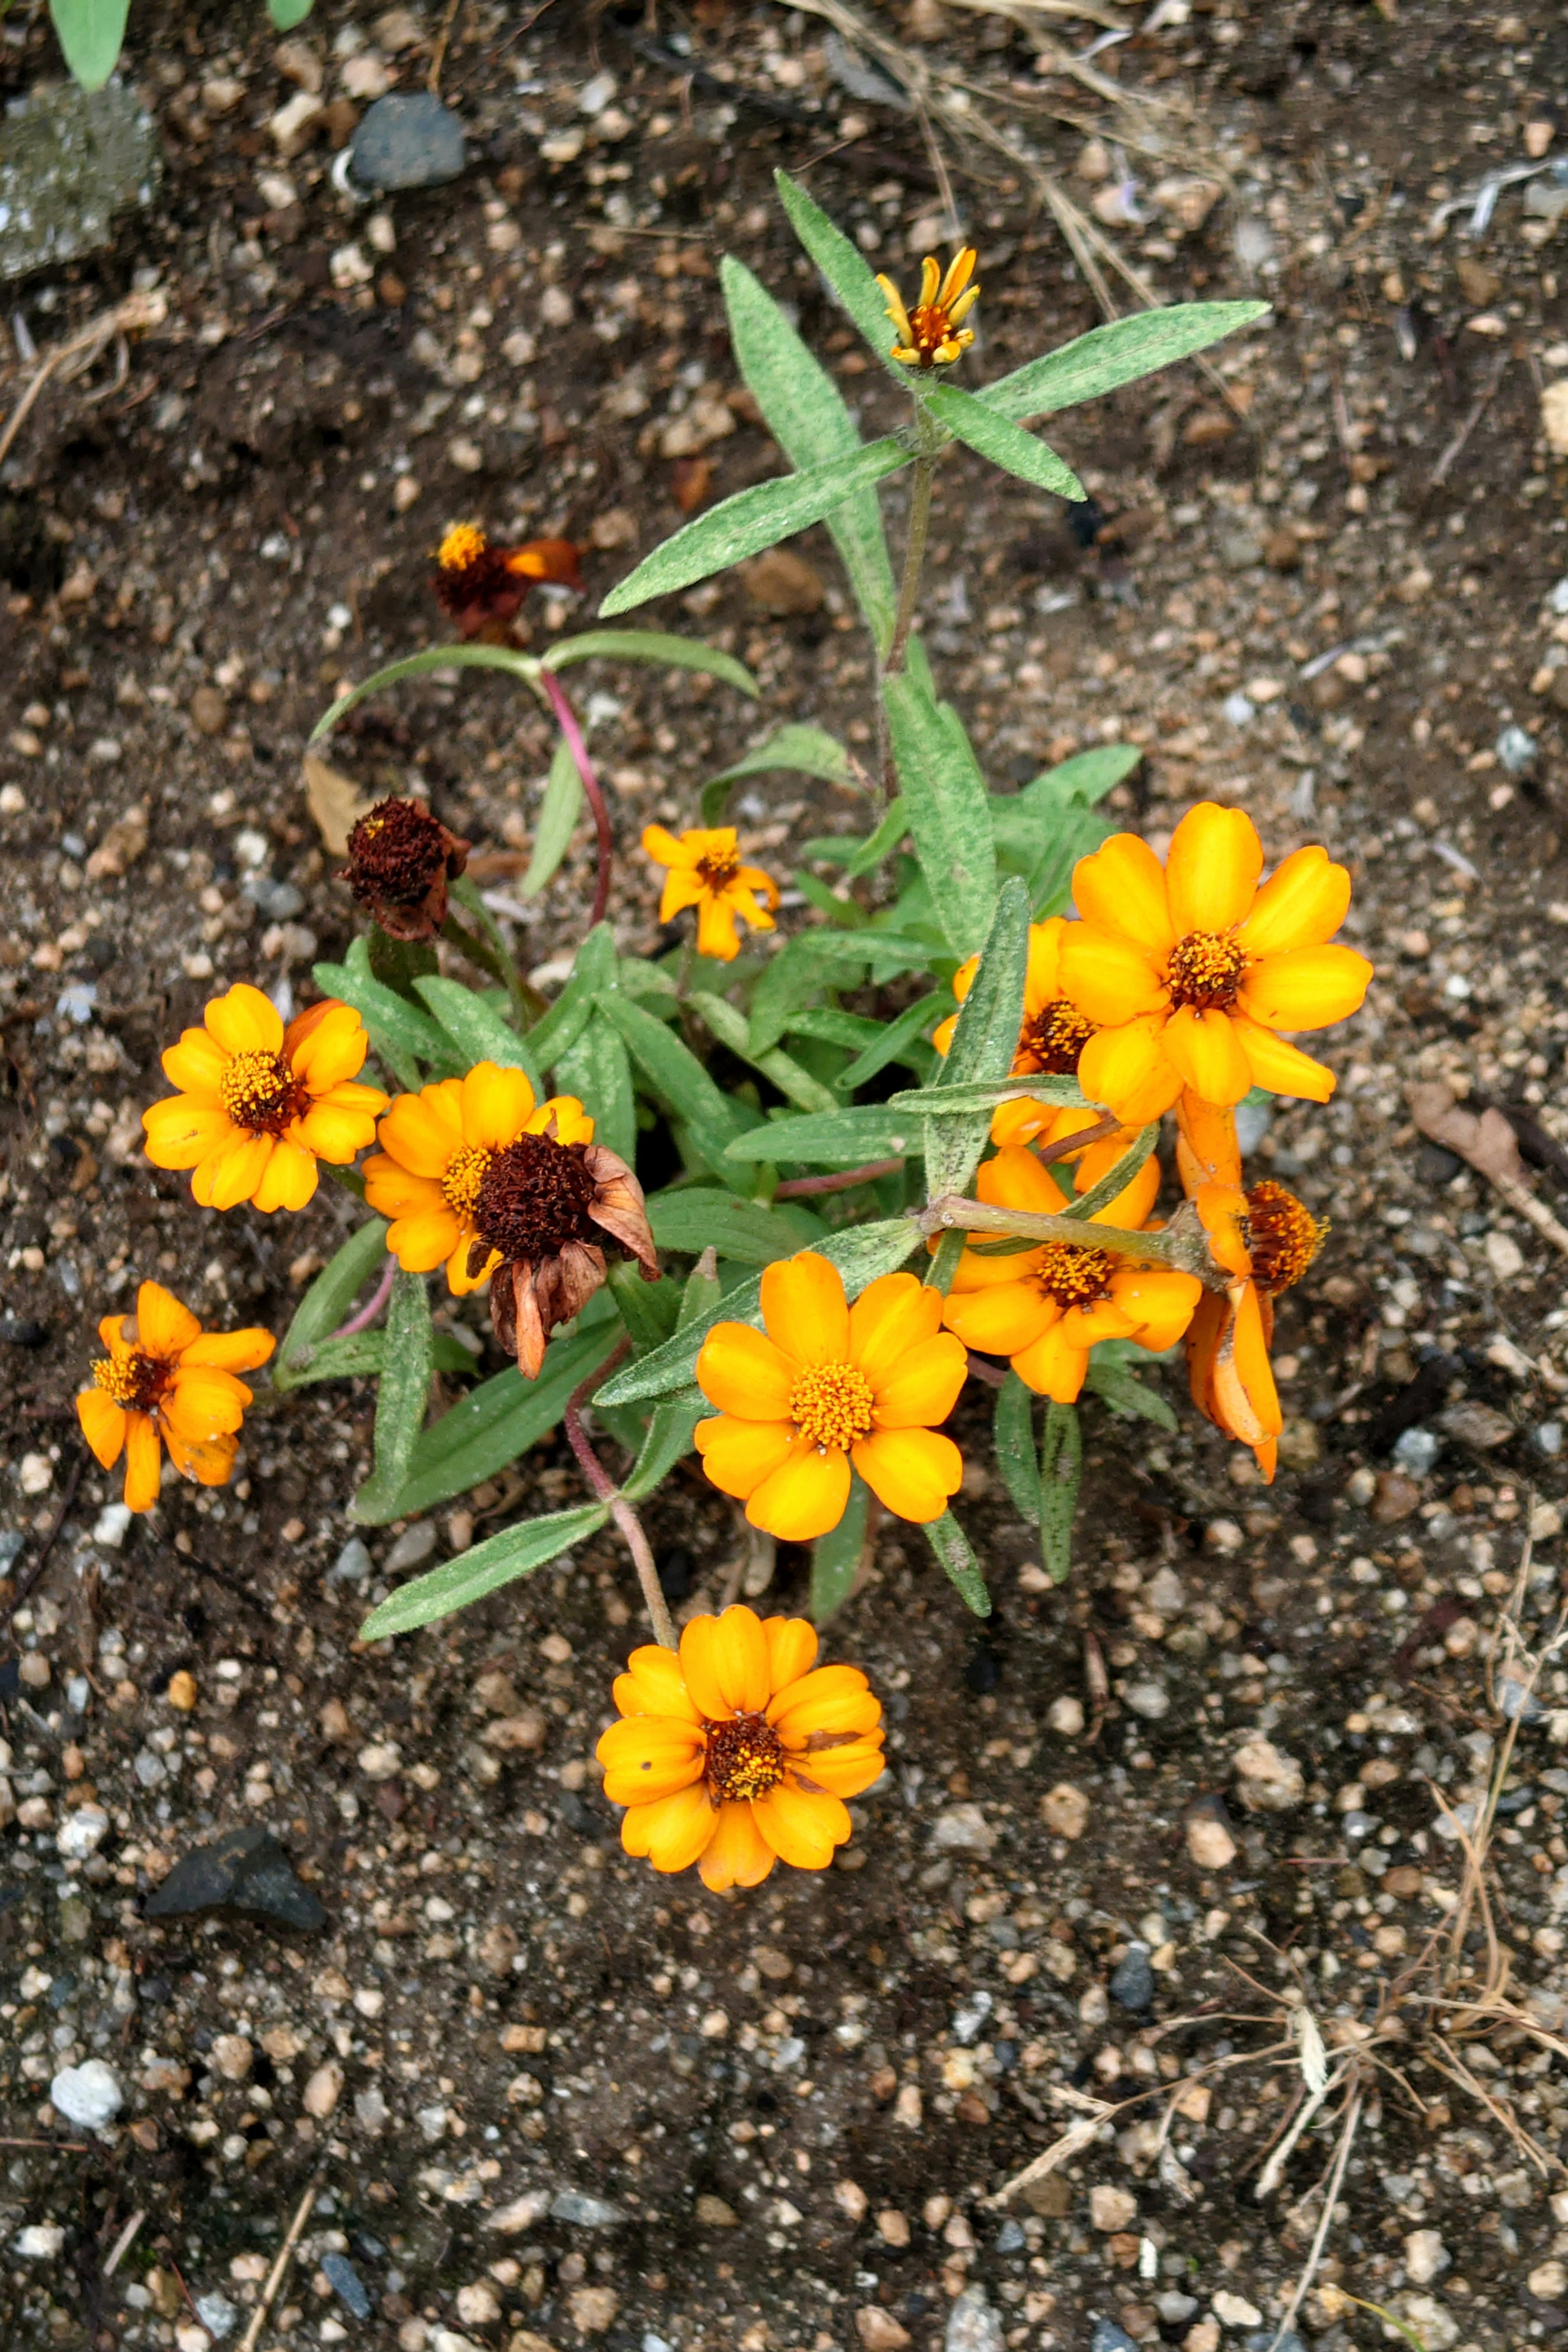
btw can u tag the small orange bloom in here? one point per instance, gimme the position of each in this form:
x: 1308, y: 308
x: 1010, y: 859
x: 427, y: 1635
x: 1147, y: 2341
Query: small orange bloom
x: 481, y: 586
x: 706, y: 872
x: 930, y: 334
x: 164, y: 1381
x: 1053, y: 1035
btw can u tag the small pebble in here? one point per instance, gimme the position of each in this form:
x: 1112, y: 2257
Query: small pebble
x: 581, y: 2212
x: 973, y: 2326
x: 1111, y: 2208
x: 1133, y: 1983
x: 413, y: 1544
x: 88, y: 2095
x: 877, y: 2329
x: 216, y: 2314
x: 352, y: 1564
x: 1065, y: 1810
x: 1065, y: 1717
x: 1425, y: 2256
x: 324, y: 2091
x: 1233, y: 2310
x: 408, y: 140
x: 1109, y: 2337
x: 182, y: 1690
x: 1415, y: 1450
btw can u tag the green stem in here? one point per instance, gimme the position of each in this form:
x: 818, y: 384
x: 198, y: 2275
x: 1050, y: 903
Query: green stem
x: 951, y: 1216
x: 914, y: 546
x: 944, y: 1265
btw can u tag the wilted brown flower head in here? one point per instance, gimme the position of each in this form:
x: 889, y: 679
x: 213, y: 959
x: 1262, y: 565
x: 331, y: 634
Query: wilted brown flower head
x: 481, y: 586
x: 401, y: 859
x: 551, y: 1209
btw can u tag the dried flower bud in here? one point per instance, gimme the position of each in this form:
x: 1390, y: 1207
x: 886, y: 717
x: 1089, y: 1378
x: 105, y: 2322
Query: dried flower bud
x: 401, y: 859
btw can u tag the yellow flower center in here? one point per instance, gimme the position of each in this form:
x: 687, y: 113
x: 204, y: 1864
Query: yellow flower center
x: 1052, y: 1039
x: 832, y: 1404
x: 134, y: 1379
x: 1204, y: 970
x: 745, y: 1759
x: 1073, y: 1276
x: 463, y: 545
x: 261, y: 1094
x: 1283, y: 1236
x: 716, y: 872
x: 465, y: 1174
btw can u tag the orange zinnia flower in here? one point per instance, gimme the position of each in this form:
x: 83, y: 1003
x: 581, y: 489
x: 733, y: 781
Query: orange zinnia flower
x: 827, y: 1385
x: 1045, y: 1308
x: 706, y: 872
x: 258, y: 1104
x: 1192, y: 969
x: 481, y: 586
x: 166, y: 1380
x: 1053, y: 1035
x: 930, y: 335
x: 734, y: 1754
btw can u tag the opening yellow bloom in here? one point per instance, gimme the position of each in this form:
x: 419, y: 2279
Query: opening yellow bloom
x: 164, y: 1381
x: 1191, y: 968
x: 706, y: 872
x: 258, y: 1104
x: 930, y: 335
x: 733, y: 1753
x: 1053, y: 1035
x: 825, y: 1385
x: 1046, y: 1307
x: 436, y: 1148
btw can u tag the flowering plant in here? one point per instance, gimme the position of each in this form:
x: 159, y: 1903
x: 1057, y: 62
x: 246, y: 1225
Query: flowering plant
x: 841, y: 1250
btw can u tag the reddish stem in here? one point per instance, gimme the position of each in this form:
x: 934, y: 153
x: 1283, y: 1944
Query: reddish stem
x: 799, y: 1186
x: 567, y: 717
x: 1079, y: 1140
x: 378, y: 1299
x: 979, y: 1370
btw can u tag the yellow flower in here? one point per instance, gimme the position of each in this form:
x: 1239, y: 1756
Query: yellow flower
x: 436, y: 1148
x: 930, y: 335
x: 1192, y: 969
x: 706, y: 872
x: 1046, y: 1307
x: 165, y: 1380
x: 827, y: 1385
x: 1054, y: 1033
x: 259, y: 1105
x: 733, y: 1753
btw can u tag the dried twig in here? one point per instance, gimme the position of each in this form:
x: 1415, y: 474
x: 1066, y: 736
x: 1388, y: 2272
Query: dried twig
x: 1490, y: 1147
x: 274, y: 2276
x: 134, y: 316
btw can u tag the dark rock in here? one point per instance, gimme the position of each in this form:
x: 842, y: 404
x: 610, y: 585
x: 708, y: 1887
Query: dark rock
x: 20, y: 1331
x: 675, y: 1573
x: 247, y: 1870
x: 345, y: 2283
x: 1109, y: 2337
x: 411, y: 141
x: 1435, y: 1166
x: 1132, y: 1983
x: 69, y: 160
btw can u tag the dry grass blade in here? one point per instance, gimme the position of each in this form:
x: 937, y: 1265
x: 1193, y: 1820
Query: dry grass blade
x: 1072, y: 2142
x: 135, y: 315
x: 1019, y: 12
x: 1330, y: 2189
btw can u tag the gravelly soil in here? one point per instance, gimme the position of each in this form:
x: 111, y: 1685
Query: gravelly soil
x: 790, y: 2108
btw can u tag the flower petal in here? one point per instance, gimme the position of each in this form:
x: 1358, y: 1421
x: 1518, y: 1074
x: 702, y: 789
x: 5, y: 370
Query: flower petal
x: 846, y: 1771
x: 389, y: 1187
x: 1053, y: 1367
x: 925, y: 1386
x: 665, y: 850
x: 1206, y: 1054
x: 742, y: 1373
x: 738, y: 1455
x: 1128, y: 1070
x: 334, y: 1132
x: 829, y: 1699
x: 684, y: 888
x: 1003, y: 1318
x: 1042, y: 981
x: 1016, y: 1180
x: 244, y: 1021
x: 162, y: 1326
x: 741, y: 1660
x: 804, y: 1496
x: 233, y: 1173
x: 195, y: 1064
x: 103, y: 1424
x: 1301, y: 905
x: 792, y: 1649
x: 231, y: 1351
x: 1133, y: 1202
x: 737, y: 1854
x: 1122, y: 888
x: 653, y: 1683
x: 1306, y: 988
x: 494, y: 1104
x: 572, y: 1122
x: 290, y: 1179
x: 1246, y: 1400
x: 426, y: 1239
x: 1212, y: 869
x: 1107, y: 976
x: 1284, y: 1069
x: 143, y: 1461
x: 648, y: 1756
x: 421, y: 1131
x: 891, y: 1315
x: 1207, y: 1150
x: 804, y: 1309
x: 182, y: 1132
x: 672, y: 1832
x: 802, y: 1831
x: 330, y: 1050
x: 208, y: 1461
x: 1158, y: 1301
x: 716, y: 934
x: 204, y: 1403
x: 913, y: 1472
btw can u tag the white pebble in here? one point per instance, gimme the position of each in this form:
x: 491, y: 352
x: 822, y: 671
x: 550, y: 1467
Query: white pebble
x: 88, y: 2095
x: 36, y: 1474
x: 41, y: 2243
x: 82, y: 1832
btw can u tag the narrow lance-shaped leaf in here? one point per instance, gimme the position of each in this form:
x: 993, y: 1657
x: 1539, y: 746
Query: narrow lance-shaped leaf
x: 729, y: 1025
x: 501, y: 1560
x: 839, y: 1138
x: 91, y: 32
x: 952, y: 1548
x: 1061, y: 1467
x: 800, y: 751
x: 650, y: 646
x: 518, y: 666
x: 1096, y: 363
x: 1013, y: 1429
x: 1116, y: 1179
x: 596, y: 1069
x: 499, y: 1421
x: 397, y: 1028
x: 401, y: 1398
x: 948, y: 810
x: 1006, y: 444
x: 984, y: 1043
x: 558, y: 813
x: 592, y: 976
x: 742, y: 1231
x: 753, y: 519
x: 835, y: 1557
x: 327, y: 1302
x: 677, y: 1074
x: 845, y: 267
x: 479, y: 1034
x: 1118, y: 1386
x: 668, y: 1439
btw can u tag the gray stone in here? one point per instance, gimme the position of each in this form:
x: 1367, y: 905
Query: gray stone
x: 1174, y: 2306
x: 1010, y: 2239
x: 415, y: 1544
x: 973, y: 2326
x: 276, y: 900
x: 346, y: 2285
x: 1265, y: 2340
x: 352, y: 1564
x: 1109, y: 2337
x: 71, y: 159
x: 216, y: 2314
x: 248, y: 1870
x: 1132, y: 1983
x: 88, y: 2096
x: 1480, y: 1425
x: 584, y: 2213
x: 408, y: 142
x: 1416, y: 1450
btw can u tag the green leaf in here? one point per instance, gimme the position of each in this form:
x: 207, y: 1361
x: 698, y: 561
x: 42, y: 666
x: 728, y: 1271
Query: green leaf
x: 862, y: 1253
x: 1061, y: 1467
x: 694, y: 1219
x: 859, y: 856
x: 807, y: 415
x: 592, y: 975
x: 835, y: 1139
x: 1088, y: 776
x: 287, y: 14
x: 1106, y: 357
x: 479, y: 1034
x: 731, y: 1029
x: 1002, y: 443
x: 801, y: 751
x: 1116, y: 1179
x: 401, y: 1399
x: 952, y: 1547
x: 327, y: 1302
x: 91, y: 32
x: 960, y: 1102
x: 362, y: 1354
x: 1125, y: 1393
x: 835, y: 1557
x: 846, y: 268
x: 949, y: 809
x: 558, y: 813
x: 702, y: 1292
x: 650, y: 646
x: 516, y: 665
x: 649, y: 1310
x: 501, y: 1559
x: 668, y: 1438
x: 897, y: 1042
x: 596, y: 1069
x: 753, y: 519
x: 678, y: 1075
x: 1013, y: 1429
x: 984, y: 1044
x: 400, y: 1033
x: 500, y: 1419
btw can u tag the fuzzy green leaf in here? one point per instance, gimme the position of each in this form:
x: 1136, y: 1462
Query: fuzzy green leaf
x: 799, y: 751
x: 835, y: 1139
x: 434, y: 658
x: 835, y: 1557
x: 327, y: 1302
x: 401, y: 1399
x: 501, y: 1418
x: 398, y: 1030
x: 845, y: 267
x: 1126, y: 1394
x: 501, y: 1559
x: 596, y: 1068
x: 1012, y: 1432
x: 650, y: 646
x: 984, y: 1044
x: 91, y: 32
x: 478, y: 1033
x: 949, y: 809
x: 593, y: 974
x: 1002, y: 442
x: 952, y: 1548
x: 714, y: 1119
x: 694, y: 1219
x: 1106, y: 357
x: 1062, y: 1467
x: 558, y: 813
x: 668, y: 1438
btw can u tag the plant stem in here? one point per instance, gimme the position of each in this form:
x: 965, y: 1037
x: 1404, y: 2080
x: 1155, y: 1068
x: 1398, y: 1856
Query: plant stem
x: 951, y: 1216
x: 566, y: 719
x: 800, y: 1188
x: 621, y: 1511
x: 378, y: 1299
x: 944, y: 1265
x: 914, y: 559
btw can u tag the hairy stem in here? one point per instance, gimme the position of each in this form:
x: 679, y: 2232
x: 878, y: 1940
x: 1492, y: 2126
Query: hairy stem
x: 800, y: 1188
x: 914, y: 560
x: 378, y: 1299
x: 944, y: 1265
x: 567, y: 717
x: 1183, y: 1243
x: 605, y: 1491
